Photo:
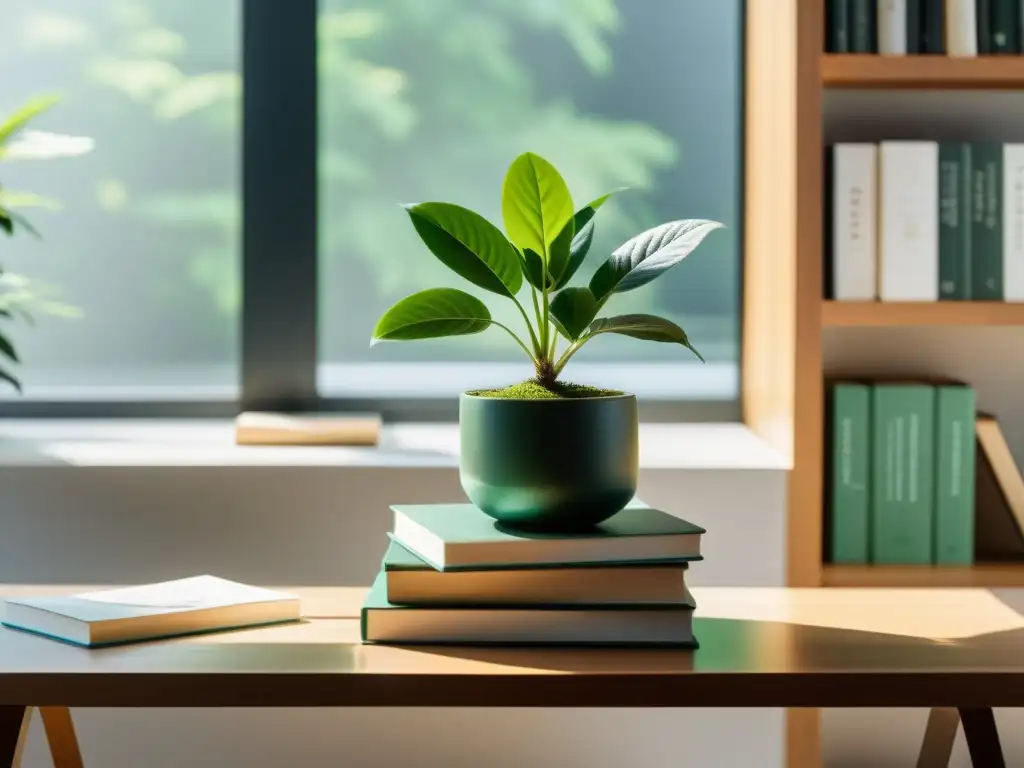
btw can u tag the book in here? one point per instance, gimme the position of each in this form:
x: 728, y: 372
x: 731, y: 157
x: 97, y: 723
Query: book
x: 256, y: 428
x: 933, y: 28
x: 412, y: 581
x: 849, y: 478
x: 915, y: 26
x: 863, y: 26
x: 954, y: 475
x: 983, y: 15
x: 837, y: 19
x: 854, y: 225
x: 168, y: 609
x: 1013, y: 222
x: 892, y: 27
x: 954, y: 220
x: 1005, y: 26
x: 1007, y: 474
x: 384, y: 622
x: 908, y: 221
x: 961, y: 28
x: 452, y: 536
x: 986, y: 222
x: 902, y: 472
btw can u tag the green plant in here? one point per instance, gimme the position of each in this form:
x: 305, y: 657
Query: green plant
x: 547, y: 241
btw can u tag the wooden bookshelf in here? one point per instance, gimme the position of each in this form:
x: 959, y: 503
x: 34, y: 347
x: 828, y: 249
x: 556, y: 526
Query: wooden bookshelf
x: 979, y: 575
x: 878, y: 313
x: 922, y: 72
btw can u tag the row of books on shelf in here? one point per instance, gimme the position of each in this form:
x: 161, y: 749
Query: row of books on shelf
x: 903, y: 476
x: 452, y: 575
x: 938, y: 27
x: 925, y: 221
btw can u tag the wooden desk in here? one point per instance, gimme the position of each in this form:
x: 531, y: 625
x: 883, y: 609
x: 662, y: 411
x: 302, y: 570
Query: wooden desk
x: 951, y: 650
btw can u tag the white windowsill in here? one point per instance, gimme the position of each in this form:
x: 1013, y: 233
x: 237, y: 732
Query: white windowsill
x: 106, y: 443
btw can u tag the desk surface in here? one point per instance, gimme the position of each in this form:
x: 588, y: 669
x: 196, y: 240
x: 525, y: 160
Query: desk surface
x: 759, y: 647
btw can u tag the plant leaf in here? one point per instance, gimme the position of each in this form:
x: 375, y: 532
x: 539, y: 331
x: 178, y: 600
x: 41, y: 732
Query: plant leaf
x: 533, y: 269
x: 535, y: 203
x: 24, y: 115
x: 16, y: 218
x: 431, y: 314
x: 583, y: 236
x: 646, y: 327
x: 643, y: 258
x: 7, y: 349
x: 572, y: 310
x: 6, y: 223
x: 5, y: 376
x: 13, y: 199
x: 469, y: 245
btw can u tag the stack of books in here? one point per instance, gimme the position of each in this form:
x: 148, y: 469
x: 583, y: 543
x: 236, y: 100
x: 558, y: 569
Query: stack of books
x: 452, y: 575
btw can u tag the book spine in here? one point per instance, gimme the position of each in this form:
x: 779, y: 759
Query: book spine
x: 961, y: 28
x: 986, y: 222
x: 1005, y: 26
x: 903, y: 420
x: 954, y: 220
x: 849, y: 481
x: 892, y: 27
x: 908, y: 221
x: 983, y: 16
x: 837, y: 17
x: 1013, y: 222
x: 955, y: 460
x: 854, y: 226
x: 915, y: 27
x: 933, y: 27
x: 863, y: 26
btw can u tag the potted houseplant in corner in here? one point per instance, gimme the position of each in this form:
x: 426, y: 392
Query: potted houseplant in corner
x: 542, y: 454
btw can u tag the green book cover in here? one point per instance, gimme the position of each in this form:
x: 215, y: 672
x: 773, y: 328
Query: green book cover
x: 983, y: 12
x: 837, y: 19
x: 933, y: 26
x: 902, y: 473
x: 915, y: 27
x: 1005, y: 21
x: 863, y: 26
x: 848, y: 524
x: 954, y: 476
x: 954, y: 220
x: 986, y: 222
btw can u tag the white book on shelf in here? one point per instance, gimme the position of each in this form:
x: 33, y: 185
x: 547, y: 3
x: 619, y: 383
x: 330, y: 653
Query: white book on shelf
x: 892, y: 27
x: 961, y: 28
x: 1013, y: 222
x: 908, y: 221
x: 854, y: 221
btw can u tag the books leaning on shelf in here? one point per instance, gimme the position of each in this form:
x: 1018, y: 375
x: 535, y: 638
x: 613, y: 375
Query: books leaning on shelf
x: 943, y: 27
x: 453, y: 575
x: 925, y: 221
x: 168, y: 609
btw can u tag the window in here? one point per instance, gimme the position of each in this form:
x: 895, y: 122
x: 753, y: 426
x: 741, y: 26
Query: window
x: 241, y: 250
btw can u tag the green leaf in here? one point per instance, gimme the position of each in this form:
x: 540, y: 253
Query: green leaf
x: 6, y: 222
x: 469, y: 245
x: 533, y: 268
x: 646, y: 256
x: 5, y: 376
x: 583, y: 236
x: 646, y: 327
x: 572, y: 310
x: 16, y: 218
x: 12, y: 199
x: 23, y: 116
x: 7, y: 349
x: 535, y: 203
x: 431, y: 314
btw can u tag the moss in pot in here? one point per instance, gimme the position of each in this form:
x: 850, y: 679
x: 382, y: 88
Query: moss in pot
x: 542, y: 454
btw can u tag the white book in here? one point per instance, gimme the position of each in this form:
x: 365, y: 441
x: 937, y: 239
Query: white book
x: 892, y: 27
x: 854, y: 221
x: 908, y: 221
x: 167, y: 609
x: 961, y: 28
x: 1013, y: 222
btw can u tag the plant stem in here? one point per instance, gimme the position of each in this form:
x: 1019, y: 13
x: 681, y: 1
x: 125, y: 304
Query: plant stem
x: 529, y: 327
x: 572, y: 350
x: 536, y: 312
x: 518, y: 340
x: 554, y: 344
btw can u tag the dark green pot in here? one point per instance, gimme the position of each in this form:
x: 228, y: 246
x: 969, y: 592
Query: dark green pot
x: 549, y: 464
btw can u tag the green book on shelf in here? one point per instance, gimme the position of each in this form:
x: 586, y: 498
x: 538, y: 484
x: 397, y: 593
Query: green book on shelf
x: 902, y: 473
x: 1005, y: 26
x: 848, y: 482
x: 933, y: 27
x: 453, y: 536
x: 983, y: 12
x: 987, y: 222
x: 954, y: 476
x: 837, y: 19
x: 384, y: 622
x: 863, y: 26
x: 915, y: 26
x: 954, y: 220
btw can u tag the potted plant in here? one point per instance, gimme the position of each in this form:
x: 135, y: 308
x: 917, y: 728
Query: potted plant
x: 542, y: 454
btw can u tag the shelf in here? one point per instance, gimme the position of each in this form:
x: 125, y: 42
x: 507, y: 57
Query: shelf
x: 881, y: 313
x: 988, y: 575
x: 939, y: 72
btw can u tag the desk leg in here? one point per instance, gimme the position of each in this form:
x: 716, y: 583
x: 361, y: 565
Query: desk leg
x: 60, y: 735
x: 939, y: 736
x: 13, y: 730
x: 982, y: 737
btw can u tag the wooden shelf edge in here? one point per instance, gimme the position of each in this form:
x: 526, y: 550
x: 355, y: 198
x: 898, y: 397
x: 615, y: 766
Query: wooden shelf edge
x: 938, y: 72
x: 881, y: 313
x: 981, y: 575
